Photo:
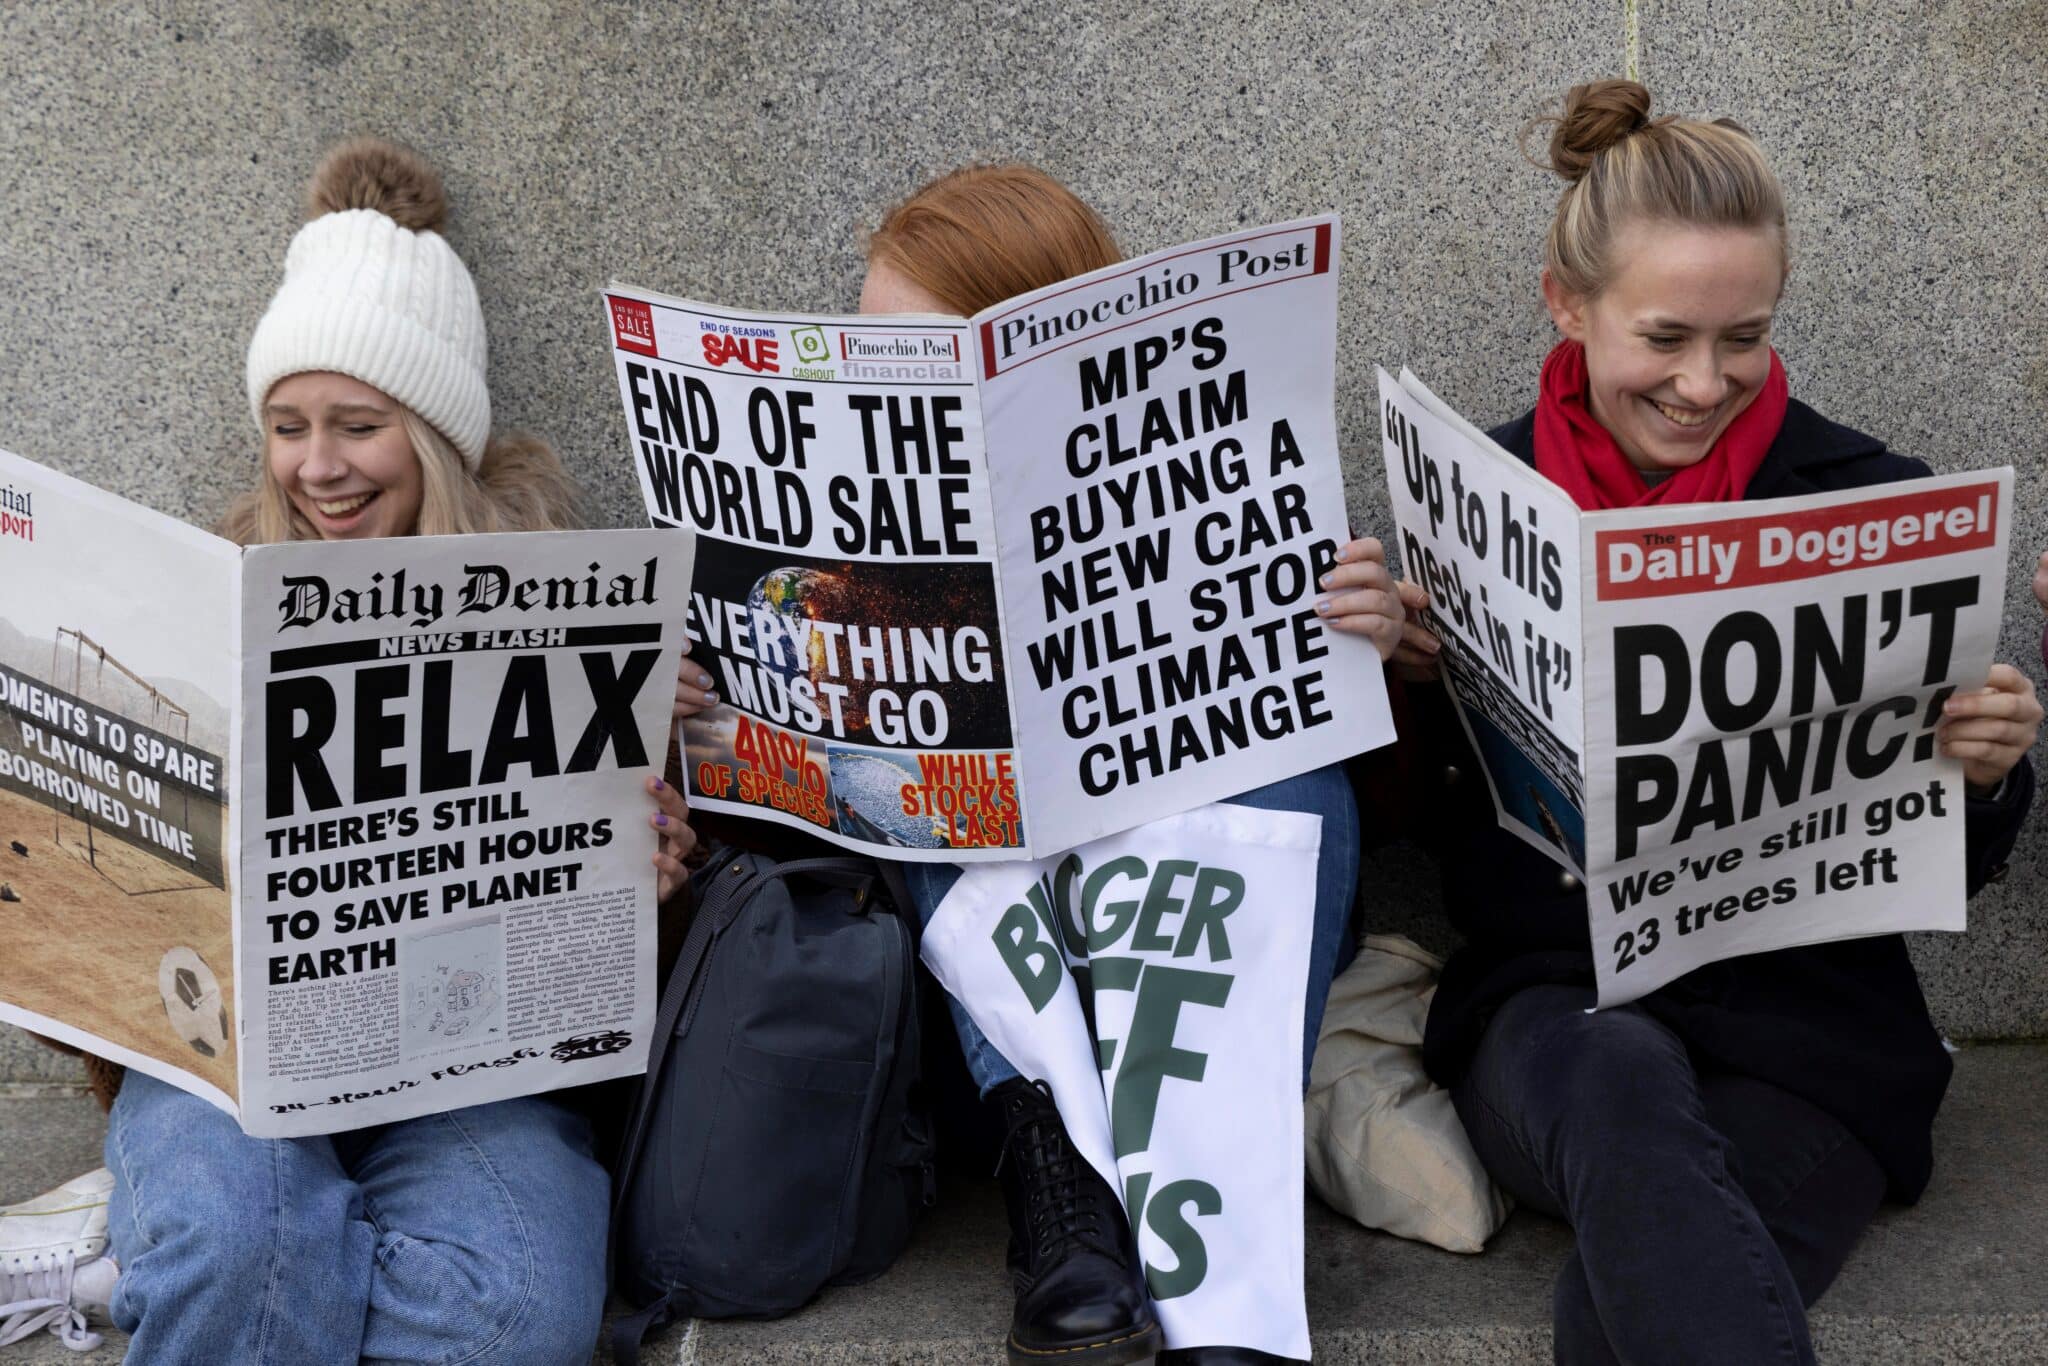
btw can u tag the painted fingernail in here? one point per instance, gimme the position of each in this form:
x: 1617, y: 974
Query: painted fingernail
x: 1343, y: 553
x: 1323, y: 608
x: 660, y: 819
x: 711, y: 699
x: 658, y: 784
x: 703, y: 680
x: 1324, y: 581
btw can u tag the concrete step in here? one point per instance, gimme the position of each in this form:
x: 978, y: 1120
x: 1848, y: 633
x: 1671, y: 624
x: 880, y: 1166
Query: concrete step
x: 24, y: 1059
x: 1957, y: 1278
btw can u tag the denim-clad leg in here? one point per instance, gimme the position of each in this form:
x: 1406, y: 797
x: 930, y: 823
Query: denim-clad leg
x: 231, y: 1248
x: 1709, y: 1211
x: 476, y: 1236
x: 1325, y: 792
x: 491, y: 1224
x: 1814, y: 1186
x: 929, y: 883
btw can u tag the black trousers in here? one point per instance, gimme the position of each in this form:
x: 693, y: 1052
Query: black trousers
x: 1709, y: 1209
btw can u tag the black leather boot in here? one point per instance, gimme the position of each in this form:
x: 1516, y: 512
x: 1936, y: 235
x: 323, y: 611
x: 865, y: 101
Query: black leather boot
x: 1224, y: 1356
x: 1081, y: 1294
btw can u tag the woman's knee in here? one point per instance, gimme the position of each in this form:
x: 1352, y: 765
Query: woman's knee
x: 495, y: 1221
x: 505, y: 1302
x: 1325, y: 791
x: 184, y: 1173
x: 562, y: 1323
x: 1615, y: 1084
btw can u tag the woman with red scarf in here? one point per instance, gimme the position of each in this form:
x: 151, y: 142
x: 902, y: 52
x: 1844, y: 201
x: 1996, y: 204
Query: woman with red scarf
x: 1719, y: 1145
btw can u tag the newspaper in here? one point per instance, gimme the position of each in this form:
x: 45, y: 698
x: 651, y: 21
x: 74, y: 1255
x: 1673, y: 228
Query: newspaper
x: 331, y: 834
x: 994, y: 587
x: 1722, y: 715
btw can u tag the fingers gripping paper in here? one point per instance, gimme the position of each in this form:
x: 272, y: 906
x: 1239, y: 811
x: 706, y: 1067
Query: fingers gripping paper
x: 1186, y: 943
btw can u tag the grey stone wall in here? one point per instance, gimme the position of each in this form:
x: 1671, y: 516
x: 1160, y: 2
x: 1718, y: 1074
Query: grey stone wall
x: 151, y: 159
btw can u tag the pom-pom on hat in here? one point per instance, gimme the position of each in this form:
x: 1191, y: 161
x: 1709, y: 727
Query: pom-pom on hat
x: 373, y: 291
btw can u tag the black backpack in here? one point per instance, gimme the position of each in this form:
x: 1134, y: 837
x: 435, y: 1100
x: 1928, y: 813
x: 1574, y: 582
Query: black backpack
x: 781, y: 1142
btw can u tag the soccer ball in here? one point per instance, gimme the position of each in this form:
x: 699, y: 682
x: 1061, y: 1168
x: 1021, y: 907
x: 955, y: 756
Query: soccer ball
x: 192, y: 1000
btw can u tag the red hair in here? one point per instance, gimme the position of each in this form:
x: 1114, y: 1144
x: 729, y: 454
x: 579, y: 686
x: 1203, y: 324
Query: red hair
x: 982, y: 234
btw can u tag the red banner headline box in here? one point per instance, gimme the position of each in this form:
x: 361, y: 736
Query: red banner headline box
x: 1743, y: 552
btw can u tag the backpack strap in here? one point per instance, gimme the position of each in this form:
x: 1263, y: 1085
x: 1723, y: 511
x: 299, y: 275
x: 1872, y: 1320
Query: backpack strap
x: 716, y: 906
x: 898, y: 888
x: 628, y: 1332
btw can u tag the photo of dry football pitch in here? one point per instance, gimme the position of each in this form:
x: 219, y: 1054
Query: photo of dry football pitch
x: 84, y: 941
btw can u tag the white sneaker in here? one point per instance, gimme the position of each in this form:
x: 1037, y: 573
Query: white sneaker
x: 54, y: 1271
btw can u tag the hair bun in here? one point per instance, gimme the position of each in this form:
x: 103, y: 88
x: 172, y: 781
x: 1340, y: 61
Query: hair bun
x: 1596, y: 115
x: 372, y: 173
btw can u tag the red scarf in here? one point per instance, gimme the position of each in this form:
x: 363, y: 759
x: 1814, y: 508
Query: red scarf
x: 1576, y: 453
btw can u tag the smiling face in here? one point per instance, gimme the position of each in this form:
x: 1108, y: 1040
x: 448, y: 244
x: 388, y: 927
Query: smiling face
x: 339, y: 450
x: 1679, y: 342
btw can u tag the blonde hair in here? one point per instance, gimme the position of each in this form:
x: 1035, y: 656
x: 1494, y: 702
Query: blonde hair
x: 1622, y: 166
x: 982, y: 234
x: 519, y: 485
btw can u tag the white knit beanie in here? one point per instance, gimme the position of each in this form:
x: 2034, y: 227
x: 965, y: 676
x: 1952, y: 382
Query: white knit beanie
x: 373, y: 291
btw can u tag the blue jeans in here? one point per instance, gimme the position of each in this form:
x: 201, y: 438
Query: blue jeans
x: 473, y: 1236
x: 1325, y: 792
x: 1710, y: 1209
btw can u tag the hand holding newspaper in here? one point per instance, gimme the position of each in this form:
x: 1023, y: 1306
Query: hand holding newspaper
x: 1721, y: 714
x: 975, y: 589
x: 331, y: 834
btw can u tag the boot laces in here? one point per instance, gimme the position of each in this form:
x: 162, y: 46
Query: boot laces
x: 35, y: 1293
x: 1064, y: 1195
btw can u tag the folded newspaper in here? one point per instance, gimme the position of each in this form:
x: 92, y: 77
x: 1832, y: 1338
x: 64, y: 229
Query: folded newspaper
x: 1722, y: 715
x: 994, y: 587
x: 330, y: 833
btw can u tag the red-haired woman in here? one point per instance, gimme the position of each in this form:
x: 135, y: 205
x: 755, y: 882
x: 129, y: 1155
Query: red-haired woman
x: 966, y: 241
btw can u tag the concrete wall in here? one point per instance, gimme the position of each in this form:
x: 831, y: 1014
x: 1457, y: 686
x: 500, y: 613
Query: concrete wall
x: 151, y: 158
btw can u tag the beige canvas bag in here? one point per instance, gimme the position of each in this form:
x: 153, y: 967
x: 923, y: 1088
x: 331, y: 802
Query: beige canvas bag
x: 1383, y: 1141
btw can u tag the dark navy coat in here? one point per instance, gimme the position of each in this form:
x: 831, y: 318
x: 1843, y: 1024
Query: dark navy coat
x: 1842, y: 1025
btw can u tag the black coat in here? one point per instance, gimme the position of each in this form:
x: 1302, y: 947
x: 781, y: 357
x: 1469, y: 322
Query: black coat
x: 1843, y: 1024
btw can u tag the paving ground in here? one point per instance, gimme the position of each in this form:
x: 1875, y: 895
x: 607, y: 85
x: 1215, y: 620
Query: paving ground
x: 1962, y: 1277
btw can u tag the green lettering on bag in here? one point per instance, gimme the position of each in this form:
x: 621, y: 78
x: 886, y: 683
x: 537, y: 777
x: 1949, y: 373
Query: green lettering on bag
x: 1150, y: 1056
x: 1160, y: 902
x: 1218, y: 892
x: 1029, y: 956
x: 1166, y: 1215
x: 1109, y: 974
x: 1065, y: 920
x: 1106, y: 924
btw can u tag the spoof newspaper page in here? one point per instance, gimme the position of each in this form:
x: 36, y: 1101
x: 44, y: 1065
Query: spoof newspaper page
x: 1761, y: 683
x: 450, y: 895
x: 845, y: 602
x: 1162, y: 446
x: 390, y: 859
x: 975, y: 590
x: 1497, y: 546
x: 117, y: 692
